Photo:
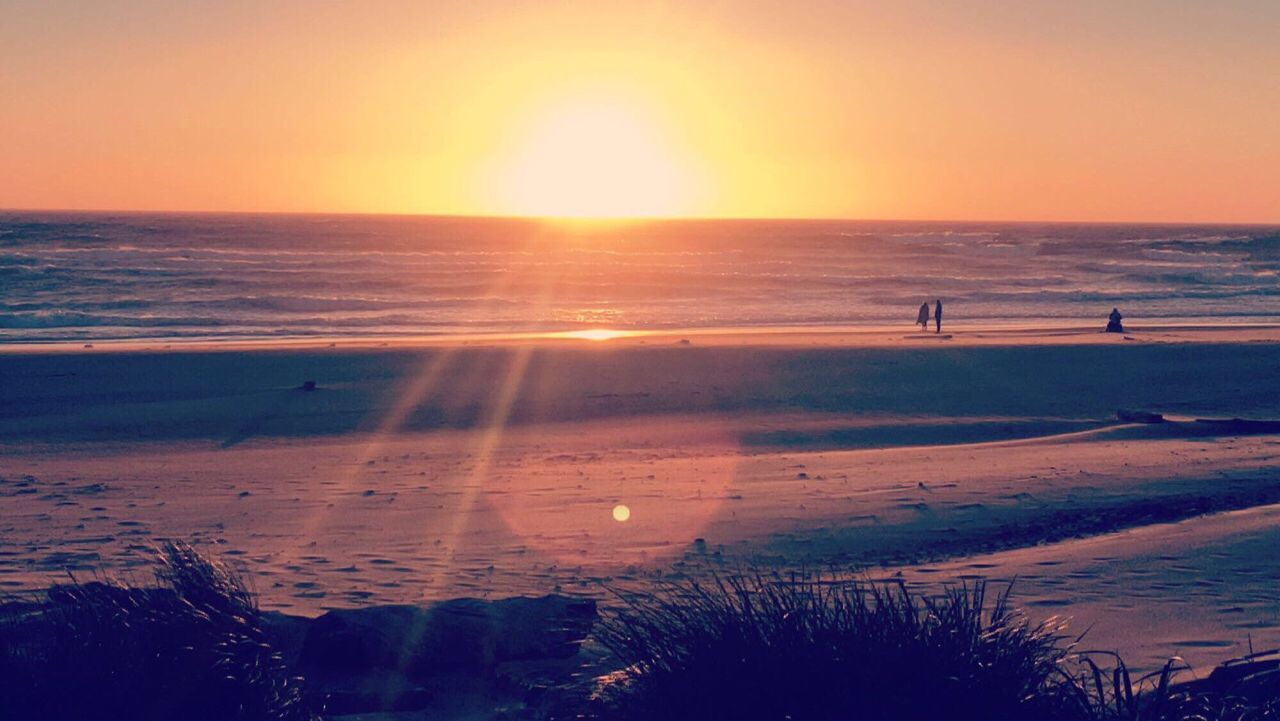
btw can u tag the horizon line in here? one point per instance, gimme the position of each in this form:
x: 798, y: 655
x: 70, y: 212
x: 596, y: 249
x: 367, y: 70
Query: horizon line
x: 604, y: 220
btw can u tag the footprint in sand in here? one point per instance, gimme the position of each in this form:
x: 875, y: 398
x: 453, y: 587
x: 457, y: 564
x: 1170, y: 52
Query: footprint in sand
x: 1203, y: 644
x: 1253, y: 625
x: 92, y: 489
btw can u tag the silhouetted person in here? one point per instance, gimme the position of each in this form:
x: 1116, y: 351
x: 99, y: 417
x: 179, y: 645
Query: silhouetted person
x: 937, y: 316
x: 1113, y: 322
x: 922, y: 318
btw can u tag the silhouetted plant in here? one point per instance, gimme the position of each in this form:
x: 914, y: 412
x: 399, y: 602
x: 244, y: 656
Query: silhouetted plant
x: 1245, y: 692
x: 744, y: 647
x: 761, y: 646
x: 766, y: 647
x: 190, y: 647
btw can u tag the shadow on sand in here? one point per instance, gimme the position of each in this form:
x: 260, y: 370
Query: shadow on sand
x: 901, y: 434
x: 275, y: 405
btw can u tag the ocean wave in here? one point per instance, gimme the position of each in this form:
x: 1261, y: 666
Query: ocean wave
x: 100, y: 276
x: 74, y: 319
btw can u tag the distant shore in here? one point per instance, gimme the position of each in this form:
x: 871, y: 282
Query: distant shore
x: 433, y: 468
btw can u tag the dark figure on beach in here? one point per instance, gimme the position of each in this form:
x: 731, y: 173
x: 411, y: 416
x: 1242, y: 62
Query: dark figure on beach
x: 1113, y: 322
x: 937, y: 316
x: 922, y: 318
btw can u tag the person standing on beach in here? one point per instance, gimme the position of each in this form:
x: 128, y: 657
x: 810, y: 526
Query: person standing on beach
x: 937, y: 316
x: 922, y: 318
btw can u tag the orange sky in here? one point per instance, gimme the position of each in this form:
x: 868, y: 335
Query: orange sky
x: 1152, y: 111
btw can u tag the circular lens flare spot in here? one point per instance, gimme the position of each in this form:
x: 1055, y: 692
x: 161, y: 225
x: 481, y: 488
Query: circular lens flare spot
x: 621, y: 513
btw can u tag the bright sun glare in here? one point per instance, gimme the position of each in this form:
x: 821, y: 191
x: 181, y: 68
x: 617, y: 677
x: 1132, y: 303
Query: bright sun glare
x: 596, y: 334
x: 594, y: 157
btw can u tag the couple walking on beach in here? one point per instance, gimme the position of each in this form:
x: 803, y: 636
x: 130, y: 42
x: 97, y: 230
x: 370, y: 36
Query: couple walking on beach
x: 923, y: 317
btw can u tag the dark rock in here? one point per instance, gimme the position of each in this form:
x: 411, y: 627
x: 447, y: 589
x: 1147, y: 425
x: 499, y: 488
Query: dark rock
x: 1130, y: 416
x: 287, y: 633
x: 307, y: 386
x: 373, y: 691
x: 461, y: 634
x: 550, y: 689
x: 1232, y: 673
x: 1252, y: 679
x: 357, y: 639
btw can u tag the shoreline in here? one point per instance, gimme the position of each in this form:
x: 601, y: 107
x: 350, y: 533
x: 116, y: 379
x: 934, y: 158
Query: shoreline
x: 1067, y: 333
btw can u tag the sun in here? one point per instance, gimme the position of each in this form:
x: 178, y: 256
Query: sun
x: 593, y: 157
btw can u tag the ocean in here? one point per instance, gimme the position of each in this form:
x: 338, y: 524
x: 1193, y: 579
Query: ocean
x: 97, y: 276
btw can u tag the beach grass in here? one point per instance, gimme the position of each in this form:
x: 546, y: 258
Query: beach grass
x: 804, y: 647
x: 190, y: 646
x: 754, y: 645
x: 1246, y: 690
x: 765, y: 646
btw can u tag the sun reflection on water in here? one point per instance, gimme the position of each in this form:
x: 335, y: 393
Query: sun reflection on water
x: 596, y: 334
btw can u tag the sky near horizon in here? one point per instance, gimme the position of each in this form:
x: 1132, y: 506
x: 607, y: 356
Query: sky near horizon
x: 1020, y: 110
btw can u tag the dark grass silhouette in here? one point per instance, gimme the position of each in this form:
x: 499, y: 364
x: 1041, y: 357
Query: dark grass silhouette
x: 758, y: 646
x: 190, y: 647
x: 1244, y: 690
x: 765, y: 647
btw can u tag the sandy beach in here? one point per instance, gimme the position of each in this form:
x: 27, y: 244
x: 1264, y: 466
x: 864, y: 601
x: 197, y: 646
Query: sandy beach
x: 425, y: 469
x: 635, y: 361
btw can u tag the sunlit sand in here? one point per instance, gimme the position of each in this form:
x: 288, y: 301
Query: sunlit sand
x: 521, y: 465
